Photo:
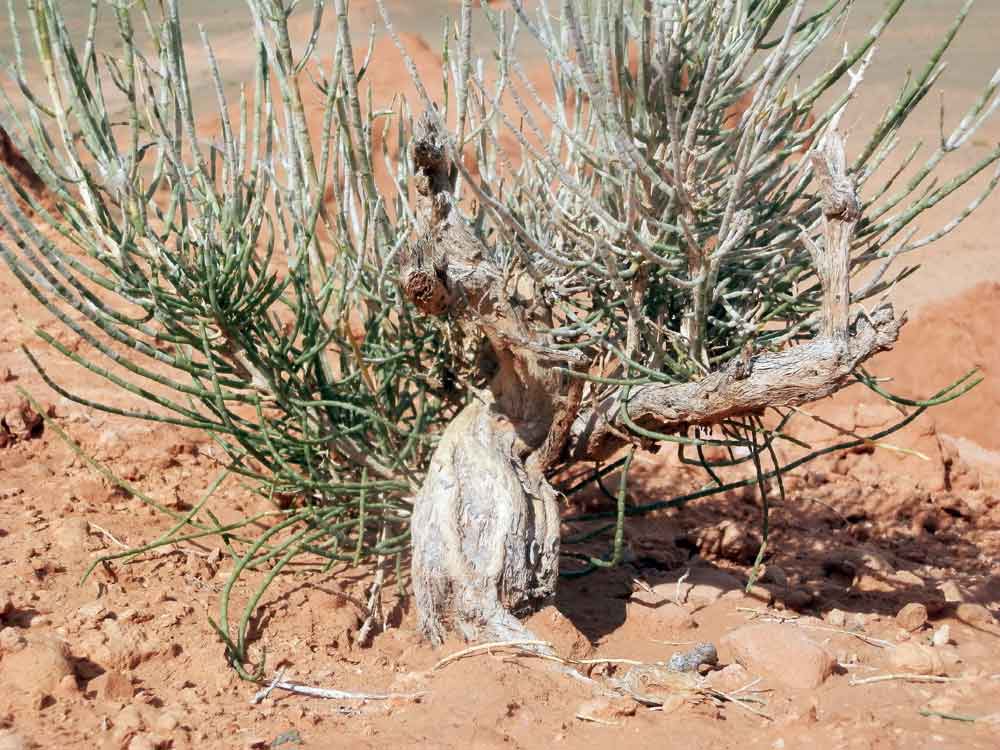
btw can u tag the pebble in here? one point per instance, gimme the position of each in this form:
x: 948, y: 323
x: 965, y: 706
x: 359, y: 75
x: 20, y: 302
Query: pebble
x: 836, y: 618
x: 729, y: 540
x: 912, y: 617
x: 11, y: 640
x: 731, y: 677
x: 36, y: 670
x: 23, y: 422
x: 92, y: 613
x: 141, y: 742
x: 166, y: 722
x: 71, y: 534
x: 702, y: 586
x: 873, y: 584
x: 780, y: 654
x: 975, y: 615
x: 128, y: 722
x: 905, y: 576
x: 67, y: 687
x: 942, y: 636
x: 113, y: 686
x: 915, y: 658
x: 951, y: 591
x: 762, y: 594
x: 665, y: 614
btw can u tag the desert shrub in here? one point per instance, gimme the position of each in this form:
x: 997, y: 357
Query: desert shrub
x: 660, y: 236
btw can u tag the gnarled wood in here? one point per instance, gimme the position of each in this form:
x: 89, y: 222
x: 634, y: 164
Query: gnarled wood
x: 485, y: 531
x: 485, y: 525
x: 486, y: 522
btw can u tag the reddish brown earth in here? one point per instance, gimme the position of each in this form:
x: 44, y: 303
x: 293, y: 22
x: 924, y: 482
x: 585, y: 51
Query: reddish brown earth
x: 128, y: 659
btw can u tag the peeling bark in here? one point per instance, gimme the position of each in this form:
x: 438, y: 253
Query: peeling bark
x: 485, y: 532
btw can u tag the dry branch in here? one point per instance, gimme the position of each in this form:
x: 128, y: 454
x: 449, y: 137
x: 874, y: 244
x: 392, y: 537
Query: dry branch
x: 747, y: 385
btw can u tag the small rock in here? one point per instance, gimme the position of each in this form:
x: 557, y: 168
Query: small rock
x: 701, y: 587
x: 39, y: 621
x: 71, y: 534
x: 869, y: 583
x: 92, y: 613
x: 910, y: 579
x: 951, y: 591
x: 729, y: 540
x: 915, y: 658
x: 774, y: 574
x: 877, y: 562
x: 836, y: 618
x: 761, y: 593
x: 975, y: 615
x: 11, y: 640
x: 128, y: 723
x: 606, y: 710
x: 166, y: 722
x: 729, y: 678
x: 67, y: 687
x: 112, y: 686
x: 141, y: 742
x: 35, y: 671
x: 942, y: 636
x: 663, y: 615
x: 707, y: 586
x: 780, y: 653
x: 21, y: 423
x: 6, y: 603
x: 912, y: 617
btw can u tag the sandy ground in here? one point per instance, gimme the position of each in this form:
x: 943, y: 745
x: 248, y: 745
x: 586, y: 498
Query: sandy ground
x: 128, y: 659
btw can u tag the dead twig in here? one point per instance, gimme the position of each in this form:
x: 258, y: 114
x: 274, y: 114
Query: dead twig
x: 902, y: 676
x: 523, y: 648
x: 877, y: 642
x: 107, y: 534
x: 677, y: 591
x: 741, y: 702
x: 487, y: 648
x: 261, y: 695
x: 950, y: 717
x: 329, y: 693
x: 871, y: 641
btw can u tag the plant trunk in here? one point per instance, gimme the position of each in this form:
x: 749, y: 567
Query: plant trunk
x: 485, y: 531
